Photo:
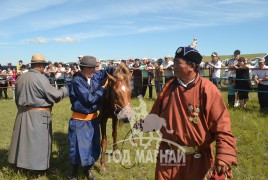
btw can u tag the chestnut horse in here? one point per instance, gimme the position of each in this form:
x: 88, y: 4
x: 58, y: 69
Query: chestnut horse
x: 117, y: 100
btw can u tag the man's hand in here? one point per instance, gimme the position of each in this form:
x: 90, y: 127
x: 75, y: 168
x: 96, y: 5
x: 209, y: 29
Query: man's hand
x: 223, y: 168
x: 256, y: 81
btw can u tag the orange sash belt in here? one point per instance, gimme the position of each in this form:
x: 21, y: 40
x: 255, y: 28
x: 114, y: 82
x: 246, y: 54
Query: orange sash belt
x: 84, y: 117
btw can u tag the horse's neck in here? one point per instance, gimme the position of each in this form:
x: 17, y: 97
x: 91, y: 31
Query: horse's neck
x: 109, y: 98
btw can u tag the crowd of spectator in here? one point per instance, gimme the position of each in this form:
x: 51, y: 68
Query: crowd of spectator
x: 237, y: 75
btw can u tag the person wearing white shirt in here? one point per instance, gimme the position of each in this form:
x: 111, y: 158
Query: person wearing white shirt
x: 50, y: 72
x: 68, y: 77
x: 167, y: 68
x: 202, y: 68
x: 59, y: 76
x: 260, y: 76
x: 215, y: 71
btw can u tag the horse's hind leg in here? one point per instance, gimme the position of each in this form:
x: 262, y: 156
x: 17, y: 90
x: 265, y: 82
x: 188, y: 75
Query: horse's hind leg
x: 103, y: 123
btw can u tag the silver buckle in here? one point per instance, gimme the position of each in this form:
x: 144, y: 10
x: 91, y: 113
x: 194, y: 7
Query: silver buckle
x: 197, y: 155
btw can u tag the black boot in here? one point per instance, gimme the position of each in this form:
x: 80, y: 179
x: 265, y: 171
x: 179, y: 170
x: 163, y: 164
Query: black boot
x: 88, y: 173
x: 74, y: 172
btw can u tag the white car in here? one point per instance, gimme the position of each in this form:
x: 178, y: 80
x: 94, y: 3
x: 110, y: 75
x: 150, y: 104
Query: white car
x: 254, y: 62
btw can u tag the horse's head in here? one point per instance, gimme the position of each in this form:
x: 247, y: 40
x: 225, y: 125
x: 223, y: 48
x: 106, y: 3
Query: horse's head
x: 120, y: 93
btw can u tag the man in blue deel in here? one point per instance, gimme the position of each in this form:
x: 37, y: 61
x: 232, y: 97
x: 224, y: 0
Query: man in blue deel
x: 85, y: 94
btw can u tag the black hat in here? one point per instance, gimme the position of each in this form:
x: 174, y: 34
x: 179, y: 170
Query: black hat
x: 189, y: 54
x: 88, y: 61
x: 159, y: 61
x: 237, y: 52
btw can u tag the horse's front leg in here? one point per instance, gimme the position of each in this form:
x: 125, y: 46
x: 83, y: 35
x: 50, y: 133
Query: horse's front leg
x: 114, y: 133
x: 103, y: 124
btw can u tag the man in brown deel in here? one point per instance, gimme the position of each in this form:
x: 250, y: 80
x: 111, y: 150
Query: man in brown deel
x: 194, y: 109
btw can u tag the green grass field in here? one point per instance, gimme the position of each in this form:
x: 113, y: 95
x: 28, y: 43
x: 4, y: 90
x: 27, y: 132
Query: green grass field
x: 248, y: 125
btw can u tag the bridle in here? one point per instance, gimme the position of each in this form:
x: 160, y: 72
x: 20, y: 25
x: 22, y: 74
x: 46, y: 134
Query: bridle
x: 117, y: 109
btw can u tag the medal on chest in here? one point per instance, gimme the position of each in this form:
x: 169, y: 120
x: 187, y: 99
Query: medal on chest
x: 193, y: 114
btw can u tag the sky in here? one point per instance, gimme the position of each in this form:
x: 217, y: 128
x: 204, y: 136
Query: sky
x: 118, y: 29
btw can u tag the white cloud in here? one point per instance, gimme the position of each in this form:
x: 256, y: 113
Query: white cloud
x: 39, y: 40
x: 228, y: 2
x: 65, y: 40
x: 42, y: 40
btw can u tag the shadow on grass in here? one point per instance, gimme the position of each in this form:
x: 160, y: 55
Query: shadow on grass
x: 59, y: 162
x: 3, y: 160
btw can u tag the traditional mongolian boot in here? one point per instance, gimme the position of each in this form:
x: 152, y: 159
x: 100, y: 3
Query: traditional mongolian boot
x: 74, y: 172
x: 88, y: 173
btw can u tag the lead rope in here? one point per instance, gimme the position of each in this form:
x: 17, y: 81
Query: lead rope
x: 130, y: 131
x: 122, y: 149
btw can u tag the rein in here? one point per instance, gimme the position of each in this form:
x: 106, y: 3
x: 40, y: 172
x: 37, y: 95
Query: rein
x: 117, y: 109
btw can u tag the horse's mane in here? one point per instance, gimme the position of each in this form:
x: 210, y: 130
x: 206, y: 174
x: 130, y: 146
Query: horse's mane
x: 121, y: 72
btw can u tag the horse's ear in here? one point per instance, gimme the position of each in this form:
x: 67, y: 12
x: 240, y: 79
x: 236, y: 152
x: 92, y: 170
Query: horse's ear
x: 110, y: 77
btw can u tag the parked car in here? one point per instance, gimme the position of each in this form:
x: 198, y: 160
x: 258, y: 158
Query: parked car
x: 104, y: 65
x: 225, y: 62
x: 266, y: 59
x: 7, y: 66
x: 254, y: 62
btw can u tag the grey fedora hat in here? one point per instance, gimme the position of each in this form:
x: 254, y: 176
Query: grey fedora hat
x: 88, y: 61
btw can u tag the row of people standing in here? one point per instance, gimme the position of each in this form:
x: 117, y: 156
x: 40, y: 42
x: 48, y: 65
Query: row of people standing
x: 60, y: 75
x: 239, y: 79
x: 7, y: 79
x: 144, y: 72
x: 241, y: 83
x: 3, y: 84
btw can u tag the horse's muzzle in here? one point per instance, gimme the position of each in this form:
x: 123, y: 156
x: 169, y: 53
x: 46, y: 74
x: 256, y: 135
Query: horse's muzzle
x: 125, y: 120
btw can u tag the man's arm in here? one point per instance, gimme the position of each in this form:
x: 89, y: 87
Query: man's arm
x: 79, y: 91
x: 220, y: 127
x: 52, y: 94
x: 101, y: 74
